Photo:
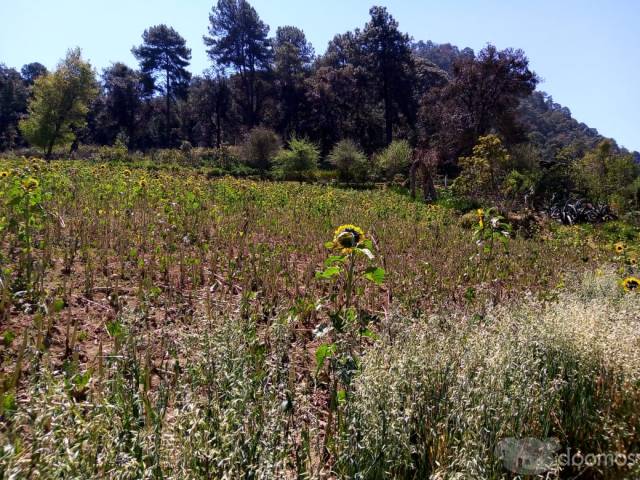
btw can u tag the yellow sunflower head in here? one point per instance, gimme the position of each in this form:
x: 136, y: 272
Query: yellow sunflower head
x: 631, y: 284
x: 633, y: 261
x: 348, y: 237
x: 4, y: 174
x: 126, y: 172
x: 142, y: 183
x: 30, y: 184
x: 619, y: 247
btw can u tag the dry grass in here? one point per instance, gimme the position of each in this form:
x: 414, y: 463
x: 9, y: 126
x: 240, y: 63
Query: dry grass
x: 158, y: 324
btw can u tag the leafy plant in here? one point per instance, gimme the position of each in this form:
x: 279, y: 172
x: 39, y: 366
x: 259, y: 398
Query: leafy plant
x: 297, y: 162
x: 351, y: 163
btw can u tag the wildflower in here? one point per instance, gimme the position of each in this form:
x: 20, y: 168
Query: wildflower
x: 347, y: 237
x: 619, y: 247
x: 126, y: 172
x: 142, y: 183
x: 480, y: 213
x: 4, y: 174
x: 633, y: 261
x: 101, y: 212
x: 30, y: 184
x: 631, y: 284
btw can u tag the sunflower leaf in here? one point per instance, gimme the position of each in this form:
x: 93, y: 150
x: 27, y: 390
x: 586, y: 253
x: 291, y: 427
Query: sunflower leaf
x: 323, y: 352
x: 333, y: 259
x: 375, y: 275
x: 328, y: 272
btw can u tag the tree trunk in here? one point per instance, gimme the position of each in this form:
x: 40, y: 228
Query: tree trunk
x: 218, y: 129
x: 388, y: 114
x: 168, y: 119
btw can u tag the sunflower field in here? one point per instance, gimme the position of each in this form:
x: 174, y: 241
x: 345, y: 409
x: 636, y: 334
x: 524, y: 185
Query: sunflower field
x: 158, y: 323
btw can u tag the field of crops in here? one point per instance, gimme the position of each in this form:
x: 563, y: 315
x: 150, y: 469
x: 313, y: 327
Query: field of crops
x: 157, y: 323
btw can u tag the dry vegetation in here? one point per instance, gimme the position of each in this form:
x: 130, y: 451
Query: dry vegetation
x: 158, y: 324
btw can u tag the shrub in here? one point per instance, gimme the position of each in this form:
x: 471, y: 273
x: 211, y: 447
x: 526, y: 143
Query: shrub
x: 298, y: 162
x: 117, y: 153
x: 259, y: 148
x: 395, y: 159
x: 351, y: 163
x: 603, y: 175
x: 483, y: 171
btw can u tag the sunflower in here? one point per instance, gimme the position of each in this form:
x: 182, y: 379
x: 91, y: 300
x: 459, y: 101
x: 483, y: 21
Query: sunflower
x: 30, y: 184
x: 633, y: 261
x: 480, y: 213
x: 631, y: 284
x: 619, y: 247
x: 347, y: 237
x: 142, y: 183
x: 126, y: 172
x: 4, y: 174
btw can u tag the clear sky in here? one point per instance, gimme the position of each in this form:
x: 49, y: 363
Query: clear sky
x: 587, y: 52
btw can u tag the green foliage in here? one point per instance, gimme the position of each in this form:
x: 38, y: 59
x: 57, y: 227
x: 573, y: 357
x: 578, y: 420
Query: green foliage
x: 163, y: 58
x: 297, y: 162
x: 60, y: 103
x: 352, y: 164
x: 606, y: 176
x: 260, y: 147
x: 395, y: 159
x: 483, y: 172
x: 13, y: 104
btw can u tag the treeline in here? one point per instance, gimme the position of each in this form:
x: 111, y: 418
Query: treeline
x: 372, y: 86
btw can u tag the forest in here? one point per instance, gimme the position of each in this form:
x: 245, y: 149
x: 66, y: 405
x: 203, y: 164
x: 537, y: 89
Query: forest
x: 367, y: 102
x: 392, y: 259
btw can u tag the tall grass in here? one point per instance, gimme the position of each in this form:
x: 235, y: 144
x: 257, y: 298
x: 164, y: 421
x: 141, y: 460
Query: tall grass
x: 432, y: 399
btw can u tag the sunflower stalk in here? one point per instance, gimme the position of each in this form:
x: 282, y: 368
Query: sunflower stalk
x: 350, y: 249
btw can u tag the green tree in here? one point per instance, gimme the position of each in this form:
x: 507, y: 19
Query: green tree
x: 31, y: 71
x: 605, y: 175
x: 163, y: 58
x: 123, y: 101
x: 60, y: 103
x: 292, y: 57
x: 387, y: 56
x: 484, y: 171
x: 210, y: 102
x: 238, y: 39
x: 13, y: 104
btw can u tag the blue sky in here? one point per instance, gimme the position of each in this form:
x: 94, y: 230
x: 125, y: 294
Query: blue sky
x: 587, y: 52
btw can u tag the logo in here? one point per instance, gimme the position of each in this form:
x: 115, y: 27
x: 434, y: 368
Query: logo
x: 528, y: 456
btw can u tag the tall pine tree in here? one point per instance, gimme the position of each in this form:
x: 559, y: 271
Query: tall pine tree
x: 163, y: 58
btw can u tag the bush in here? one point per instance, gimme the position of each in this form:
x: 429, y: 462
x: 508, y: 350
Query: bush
x: 395, y: 159
x: 351, y: 163
x: 298, y: 162
x: 259, y: 148
x: 604, y: 175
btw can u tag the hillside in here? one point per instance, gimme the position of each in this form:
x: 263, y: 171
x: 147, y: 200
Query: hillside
x: 549, y: 125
